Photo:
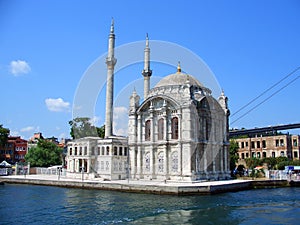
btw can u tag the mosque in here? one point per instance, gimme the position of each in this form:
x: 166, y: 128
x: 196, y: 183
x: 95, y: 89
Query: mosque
x: 178, y: 133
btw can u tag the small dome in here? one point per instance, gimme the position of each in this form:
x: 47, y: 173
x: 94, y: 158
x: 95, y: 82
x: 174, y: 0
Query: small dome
x: 178, y: 79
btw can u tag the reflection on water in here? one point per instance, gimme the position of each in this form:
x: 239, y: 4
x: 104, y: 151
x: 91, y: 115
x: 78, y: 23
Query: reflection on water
x: 24, y: 204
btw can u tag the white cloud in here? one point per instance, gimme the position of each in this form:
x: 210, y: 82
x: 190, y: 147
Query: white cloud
x: 27, y: 129
x: 120, y: 123
x: 19, y: 67
x: 14, y: 133
x: 57, y: 105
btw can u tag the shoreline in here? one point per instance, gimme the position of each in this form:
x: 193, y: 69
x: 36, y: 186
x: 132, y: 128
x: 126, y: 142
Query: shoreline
x: 150, y: 187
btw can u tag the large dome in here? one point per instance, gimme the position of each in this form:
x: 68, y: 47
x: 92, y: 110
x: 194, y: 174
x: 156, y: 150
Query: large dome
x: 178, y: 79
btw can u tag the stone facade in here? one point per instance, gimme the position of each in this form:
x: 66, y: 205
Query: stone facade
x: 180, y: 132
x: 93, y: 157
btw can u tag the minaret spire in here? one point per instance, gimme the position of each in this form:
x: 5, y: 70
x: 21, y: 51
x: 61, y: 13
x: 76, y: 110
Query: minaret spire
x: 112, y: 26
x: 147, y: 72
x: 110, y: 62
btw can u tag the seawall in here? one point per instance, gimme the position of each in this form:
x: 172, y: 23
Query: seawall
x: 152, y: 187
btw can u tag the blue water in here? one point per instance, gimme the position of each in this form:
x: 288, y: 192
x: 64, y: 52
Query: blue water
x: 25, y: 204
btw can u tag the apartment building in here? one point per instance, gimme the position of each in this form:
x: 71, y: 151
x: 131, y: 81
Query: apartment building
x: 269, y: 146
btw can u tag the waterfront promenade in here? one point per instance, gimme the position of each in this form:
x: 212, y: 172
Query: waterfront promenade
x: 146, y: 186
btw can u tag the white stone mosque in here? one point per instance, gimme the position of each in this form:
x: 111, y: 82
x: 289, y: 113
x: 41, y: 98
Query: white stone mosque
x: 178, y: 133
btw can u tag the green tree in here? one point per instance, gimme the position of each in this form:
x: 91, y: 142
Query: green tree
x: 101, y: 131
x: 233, y: 151
x: 44, y: 154
x: 4, y: 132
x: 82, y: 127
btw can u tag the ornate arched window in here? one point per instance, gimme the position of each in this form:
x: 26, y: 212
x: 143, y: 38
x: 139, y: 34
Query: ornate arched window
x: 160, y: 162
x: 174, y: 162
x: 147, y: 130
x: 161, y: 129
x: 174, y: 128
x: 147, y: 162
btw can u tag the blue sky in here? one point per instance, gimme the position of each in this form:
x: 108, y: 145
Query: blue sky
x: 47, y: 46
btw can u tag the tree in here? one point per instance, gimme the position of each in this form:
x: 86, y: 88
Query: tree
x: 82, y: 127
x: 101, y: 131
x: 4, y: 132
x: 233, y: 151
x: 44, y: 154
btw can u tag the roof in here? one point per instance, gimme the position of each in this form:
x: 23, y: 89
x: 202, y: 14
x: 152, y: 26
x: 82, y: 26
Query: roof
x: 178, y: 79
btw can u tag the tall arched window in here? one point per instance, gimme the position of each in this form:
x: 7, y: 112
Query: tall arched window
x: 147, y: 162
x: 147, y: 130
x: 160, y: 162
x: 161, y: 129
x: 174, y: 127
x: 174, y: 162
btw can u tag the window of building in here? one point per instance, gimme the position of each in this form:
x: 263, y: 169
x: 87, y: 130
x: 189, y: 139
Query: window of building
x: 125, y: 151
x: 281, y: 142
x: 99, y: 151
x: 161, y: 129
x: 147, y: 162
x: 242, y: 145
x: 102, y: 150
x: 246, y: 144
x: 70, y: 151
x: 295, y: 143
x: 120, y: 151
x: 174, y: 128
x: 258, y: 144
x: 273, y: 154
x: 258, y: 155
x: 277, y: 143
x: 295, y: 154
x: 247, y: 155
x: 147, y: 130
x: 115, y: 150
x: 252, y: 144
x: 253, y: 154
x: 243, y: 155
x: 282, y: 153
x: 85, y: 150
x: 80, y: 150
x: 160, y: 162
x: 107, y: 165
x: 107, y: 150
x: 264, y: 155
x: 75, y: 150
x: 93, y: 150
x: 174, y: 162
x: 264, y: 145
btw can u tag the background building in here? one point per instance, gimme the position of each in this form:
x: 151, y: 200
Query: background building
x: 14, y: 150
x: 269, y: 146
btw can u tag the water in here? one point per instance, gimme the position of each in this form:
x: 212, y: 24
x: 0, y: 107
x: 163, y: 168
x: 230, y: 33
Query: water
x: 25, y: 204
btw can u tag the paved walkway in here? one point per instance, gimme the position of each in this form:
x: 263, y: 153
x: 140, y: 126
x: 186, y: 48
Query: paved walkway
x: 132, y: 182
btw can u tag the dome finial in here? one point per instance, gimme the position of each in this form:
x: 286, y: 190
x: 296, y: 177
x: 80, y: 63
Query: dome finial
x: 178, y: 67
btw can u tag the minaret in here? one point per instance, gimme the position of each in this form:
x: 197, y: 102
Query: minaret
x: 110, y: 62
x: 147, y: 72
